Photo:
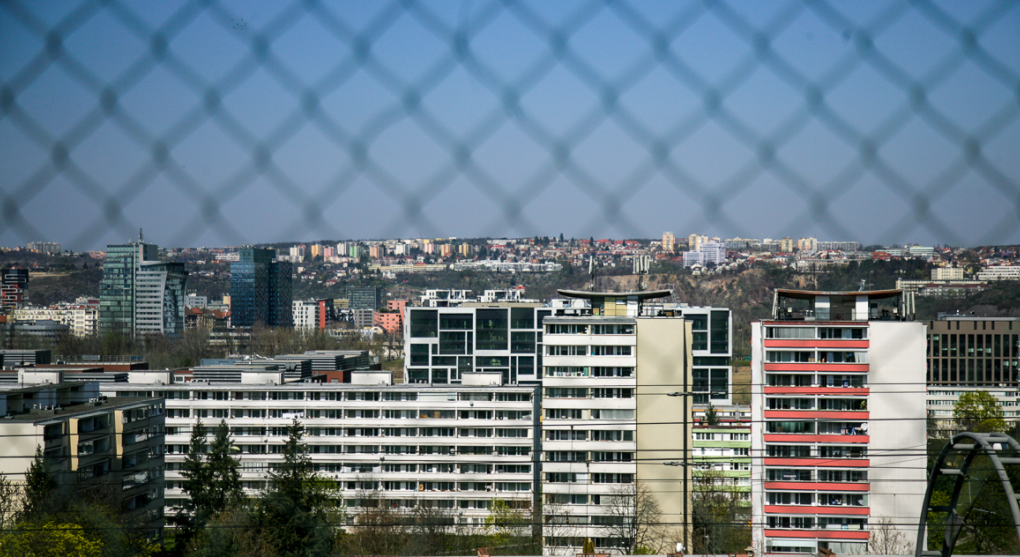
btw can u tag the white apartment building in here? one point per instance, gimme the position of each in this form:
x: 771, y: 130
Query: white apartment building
x: 83, y: 320
x: 838, y: 433
x: 458, y: 447
x: 608, y: 422
x: 306, y: 314
x: 947, y: 273
x: 1000, y: 272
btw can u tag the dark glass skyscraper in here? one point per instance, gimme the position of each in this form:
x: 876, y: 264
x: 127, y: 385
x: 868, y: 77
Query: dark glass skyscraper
x: 260, y: 290
x: 364, y: 297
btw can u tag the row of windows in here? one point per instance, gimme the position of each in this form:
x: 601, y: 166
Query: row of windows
x: 821, y: 451
x: 819, y: 356
x: 823, y: 403
x: 595, y: 478
x: 588, y: 371
x: 699, y: 436
x: 585, y: 435
x: 582, y: 392
x: 812, y: 475
x: 353, y: 396
x: 377, y: 449
x: 824, y: 333
x: 819, y: 380
x: 596, y: 350
x: 314, y: 414
x: 595, y: 414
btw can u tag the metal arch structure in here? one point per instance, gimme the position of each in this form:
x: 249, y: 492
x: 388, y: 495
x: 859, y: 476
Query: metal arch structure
x: 969, y: 445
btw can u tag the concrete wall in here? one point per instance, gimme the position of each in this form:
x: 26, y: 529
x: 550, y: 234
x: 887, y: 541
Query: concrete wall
x: 664, y: 366
x: 897, y: 406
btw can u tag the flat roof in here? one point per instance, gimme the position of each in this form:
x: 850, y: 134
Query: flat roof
x: 809, y: 294
x: 642, y: 295
x: 83, y: 409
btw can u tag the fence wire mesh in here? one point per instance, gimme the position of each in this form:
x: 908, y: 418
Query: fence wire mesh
x: 222, y: 122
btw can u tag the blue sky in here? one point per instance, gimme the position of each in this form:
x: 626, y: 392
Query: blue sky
x: 223, y: 123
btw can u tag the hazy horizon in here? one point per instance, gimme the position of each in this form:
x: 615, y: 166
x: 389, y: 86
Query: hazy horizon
x: 245, y: 122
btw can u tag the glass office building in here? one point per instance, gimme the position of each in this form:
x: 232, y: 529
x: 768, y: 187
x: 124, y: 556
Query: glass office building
x: 261, y: 290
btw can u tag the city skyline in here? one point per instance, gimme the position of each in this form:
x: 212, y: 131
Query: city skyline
x: 882, y: 122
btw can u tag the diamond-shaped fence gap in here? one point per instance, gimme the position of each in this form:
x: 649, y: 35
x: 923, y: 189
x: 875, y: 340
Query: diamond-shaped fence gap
x: 659, y: 101
x: 393, y: 51
x: 711, y: 154
x: 56, y: 101
x: 408, y: 153
x: 261, y: 222
x: 308, y: 35
x: 490, y: 48
x: 970, y: 97
x: 109, y: 155
x: 202, y: 36
x: 764, y: 102
x: 928, y: 151
x: 766, y: 204
x: 609, y: 153
x: 158, y: 101
x: 612, y: 59
x: 559, y: 102
x: 513, y: 156
x: 104, y: 46
x: 869, y: 110
x: 360, y: 101
x: 710, y: 49
x: 916, y: 44
x: 809, y: 45
x: 21, y: 157
x: 21, y: 46
x: 193, y: 156
x: 260, y: 104
x: 154, y: 200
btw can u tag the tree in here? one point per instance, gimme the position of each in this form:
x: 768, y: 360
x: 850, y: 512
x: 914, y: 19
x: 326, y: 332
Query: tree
x: 50, y: 539
x: 979, y: 411
x: 300, y: 508
x: 718, y: 515
x: 40, y: 488
x: 889, y: 539
x: 10, y: 502
x: 635, y: 519
x: 224, y: 476
x: 509, y: 525
x: 196, y: 484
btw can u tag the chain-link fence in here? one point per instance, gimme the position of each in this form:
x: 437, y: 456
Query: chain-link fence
x: 214, y: 122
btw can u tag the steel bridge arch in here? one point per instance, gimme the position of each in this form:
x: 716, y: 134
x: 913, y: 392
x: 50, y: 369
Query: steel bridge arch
x: 970, y: 445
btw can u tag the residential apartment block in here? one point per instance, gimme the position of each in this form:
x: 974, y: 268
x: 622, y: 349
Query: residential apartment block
x: 838, y: 421
x: 13, y: 288
x: 88, y: 441
x: 457, y: 447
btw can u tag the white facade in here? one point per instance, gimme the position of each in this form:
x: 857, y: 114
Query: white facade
x: 306, y: 314
x: 458, y: 447
x: 838, y: 432
x: 82, y: 320
x: 603, y: 429
x: 1000, y: 272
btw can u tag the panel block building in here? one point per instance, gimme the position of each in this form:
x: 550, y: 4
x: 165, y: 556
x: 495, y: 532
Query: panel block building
x: 838, y: 421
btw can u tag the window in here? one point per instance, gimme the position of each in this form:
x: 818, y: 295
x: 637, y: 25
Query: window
x: 556, y: 350
x: 617, y: 435
x: 611, y: 350
x: 789, y: 356
x: 790, y: 332
x: 567, y: 329
x: 609, y: 478
x: 787, y: 475
x: 565, y: 435
x: 612, y: 393
x: 563, y: 414
x: 612, y: 329
x: 604, y: 414
x: 492, y: 329
x: 843, y: 333
x: 789, y: 427
x: 790, y: 403
x: 566, y: 456
x: 559, y: 392
x: 561, y: 477
x: 612, y: 456
x: 788, y: 451
x: 603, y: 371
x: 424, y: 323
x: 789, y: 498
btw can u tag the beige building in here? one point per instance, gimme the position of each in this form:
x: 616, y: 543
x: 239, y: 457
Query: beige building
x: 88, y: 441
x: 947, y: 273
x: 668, y: 241
x: 615, y: 420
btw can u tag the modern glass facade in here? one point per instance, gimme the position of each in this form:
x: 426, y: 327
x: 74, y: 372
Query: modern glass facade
x: 117, y: 291
x: 365, y: 297
x: 261, y: 290
x: 443, y: 343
